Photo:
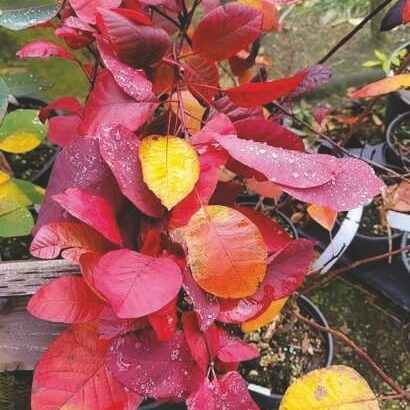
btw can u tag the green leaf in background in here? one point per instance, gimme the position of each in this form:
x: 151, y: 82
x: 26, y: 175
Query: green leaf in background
x: 24, y: 83
x: 21, y: 132
x: 4, y: 97
x: 21, y: 14
x: 19, y: 222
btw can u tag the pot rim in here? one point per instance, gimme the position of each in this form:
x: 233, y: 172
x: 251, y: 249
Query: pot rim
x: 404, y: 259
x: 389, y: 133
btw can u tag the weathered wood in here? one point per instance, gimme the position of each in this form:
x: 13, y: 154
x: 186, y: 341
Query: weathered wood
x: 23, y: 338
x: 25, y: 277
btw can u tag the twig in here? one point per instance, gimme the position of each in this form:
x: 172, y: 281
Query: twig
x: 336, y: 272
x: 359, y: 351
x: 352, y: 33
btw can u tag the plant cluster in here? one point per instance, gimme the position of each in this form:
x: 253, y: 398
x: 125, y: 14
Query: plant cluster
x: 142, y: 197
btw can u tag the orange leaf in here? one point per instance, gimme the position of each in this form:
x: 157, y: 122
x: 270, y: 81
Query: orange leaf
x: 267, y: 316
x: 227, y: 253
x: 323, y: 215
x: 385, y: 86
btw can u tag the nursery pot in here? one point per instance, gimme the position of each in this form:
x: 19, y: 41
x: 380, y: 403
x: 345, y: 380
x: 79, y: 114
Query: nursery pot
x: 398, y: 102
x: 262, y: 396
x: 399, y: 130
x: 405, y: 256
x: 267, y: 399
x: 40, y: 177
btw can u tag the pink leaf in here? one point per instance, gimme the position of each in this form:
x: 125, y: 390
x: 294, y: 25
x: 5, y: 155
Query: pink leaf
x: 254, y: 94
x: 93, y: 210
x: 72, y: 374
x: 211, y: 163
x: 218, y: 125
x: 70, y: 238
x: 162, y: 370
x: 44, y: 49
x: 283, y: 167
x: 226, y: 30
x: 86, y: 10
x: 62, y: 130
x: 119, y: 148
x: 109, y: 104
x: 205, y: 305
x: 67, y: 300
x: 138, y: 45
x: 228, y: 392
x: 165, y: 321
x: 132, y: 81
x: 135, y: 284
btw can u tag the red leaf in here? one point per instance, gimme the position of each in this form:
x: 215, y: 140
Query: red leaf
x: 135, y: 284
x: 86, y: 10
x: 44, y: 49
x: 283, y: 167
x: 229, y: 392
x: 205, y: 305
x: 406, y: 12
x: 131, y: 81
x: 218, y: 125
x: 70, y: 104
x: 119, y: 148
x: 225, y: 106
x: 72, y: 374
x: 226, y: 30
x: 88, y: 261
x: 78, y: 165
x: 109, y: 104
x: 62, y: 130
x: 211, y: 163
x: 70, y: 238
x: 274, y: 134
x: 234, y: 350
x: 165, y: 321
x: 254, y: 94
x: 111, y: 326
x: 288, y: 269
x: 93, y: 210
x: 196, y: 340
x: 67, y: 300
x: 273, y: 234
x: 138, y: 45
x: 134, y: 15
x: 201, y: 77
x: 354, y: 185
x: 75, y: 32
x: 162, y: 370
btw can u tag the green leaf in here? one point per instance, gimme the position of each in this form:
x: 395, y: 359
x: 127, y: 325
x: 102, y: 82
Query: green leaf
x: 21, y: 131
x: 4, y: 97
x: 33, y: 192
x: 380, y: 55
x: 21, y: 14
x: 19, y: 222
x: 22, y: 84
x: 371, y: 63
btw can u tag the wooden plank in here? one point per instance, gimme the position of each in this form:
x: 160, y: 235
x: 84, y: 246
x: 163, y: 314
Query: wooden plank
x: 23, y: 338
x: 25, y: 277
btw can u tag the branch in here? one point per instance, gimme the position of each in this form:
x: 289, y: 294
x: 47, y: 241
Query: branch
x: 350, y: 35
x: 359, y: 351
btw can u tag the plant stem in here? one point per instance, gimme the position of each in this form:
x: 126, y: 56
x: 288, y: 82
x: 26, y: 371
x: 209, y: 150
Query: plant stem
x: 359, y: 351
x: 352, y: 33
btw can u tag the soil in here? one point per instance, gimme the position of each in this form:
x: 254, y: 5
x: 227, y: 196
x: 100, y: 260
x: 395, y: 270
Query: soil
x: 14, y: 249
x: 401, y: 140
x: 288, y: 349
x: 27, y: 166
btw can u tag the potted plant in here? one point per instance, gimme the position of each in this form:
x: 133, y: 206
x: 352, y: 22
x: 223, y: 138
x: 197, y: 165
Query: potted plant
x: 398, y: 140
x: 167, y: 272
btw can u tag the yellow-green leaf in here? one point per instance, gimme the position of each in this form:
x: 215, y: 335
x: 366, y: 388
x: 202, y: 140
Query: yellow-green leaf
x: 4, y: 177
x: 21, y: 132
x: 331, y: 388
x: 16, y: 223
x: 170, y: 167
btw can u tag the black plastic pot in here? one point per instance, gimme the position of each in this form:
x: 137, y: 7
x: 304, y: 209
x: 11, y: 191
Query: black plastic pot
x: 270, y: 400
x: 404, y: 255
x: 392, y: 152
x: 262, y: 396
x: 41, y: 177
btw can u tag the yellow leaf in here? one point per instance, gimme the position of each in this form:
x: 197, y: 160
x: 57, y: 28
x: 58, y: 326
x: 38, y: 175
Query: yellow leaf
x: 226, y: 252
x: 4, y: 177
x: 20, y: 142
x: 193, y: 110
x: 170, y: 167
x: 266, y: 317
x: 330, y: 388
x: 10, y: 192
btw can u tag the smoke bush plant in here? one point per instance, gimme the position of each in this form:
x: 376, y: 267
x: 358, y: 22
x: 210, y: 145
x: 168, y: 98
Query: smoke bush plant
x: 139, y: 197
